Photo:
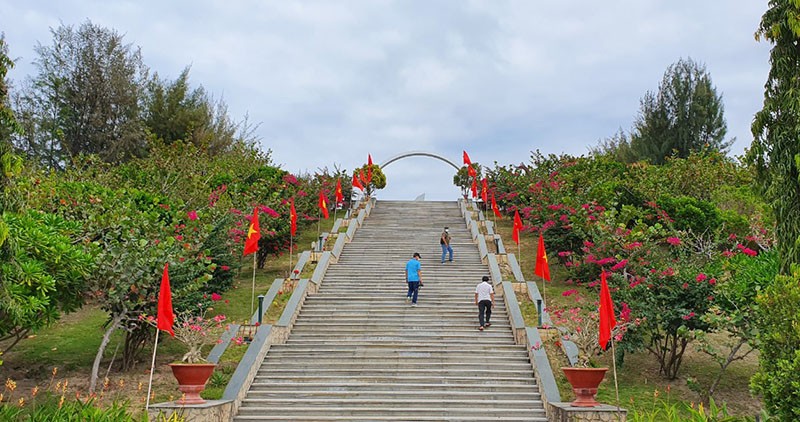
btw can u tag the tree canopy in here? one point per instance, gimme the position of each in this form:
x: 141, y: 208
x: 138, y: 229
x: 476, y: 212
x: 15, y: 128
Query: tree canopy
x: 685, y: 115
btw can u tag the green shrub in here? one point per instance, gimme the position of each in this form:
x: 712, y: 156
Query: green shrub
x: 778, y: 375
x: 50, y: 407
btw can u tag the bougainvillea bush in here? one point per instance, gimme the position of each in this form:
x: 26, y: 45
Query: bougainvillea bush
x: 662, y: 232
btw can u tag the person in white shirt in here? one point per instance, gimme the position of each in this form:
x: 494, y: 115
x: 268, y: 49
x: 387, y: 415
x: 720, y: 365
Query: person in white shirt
x: 484, y: 298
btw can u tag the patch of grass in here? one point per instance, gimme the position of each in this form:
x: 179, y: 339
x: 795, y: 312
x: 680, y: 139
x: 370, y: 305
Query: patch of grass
x: 528, y: 309
x: 70, y: 344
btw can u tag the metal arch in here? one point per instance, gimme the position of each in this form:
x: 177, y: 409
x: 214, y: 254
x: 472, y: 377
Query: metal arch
x: 417, y: 154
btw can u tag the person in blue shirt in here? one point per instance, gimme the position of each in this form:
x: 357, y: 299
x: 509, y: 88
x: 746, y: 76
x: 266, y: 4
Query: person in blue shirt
x: 414, y: 278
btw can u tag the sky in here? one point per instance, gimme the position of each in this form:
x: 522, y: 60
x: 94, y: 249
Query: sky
x: 330, y: 82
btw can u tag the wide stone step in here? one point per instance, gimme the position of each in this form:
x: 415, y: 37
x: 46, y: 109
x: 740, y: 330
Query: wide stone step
x: 437, y: 402
x: 371, y: 325
x: 295, y: 352
x: 419, y: 348
x: 396, y: 389
x: 387, y: 418
x: 397, y: 371
x: 397, y: 363
x: 413, y: 411
x: 450, y: 380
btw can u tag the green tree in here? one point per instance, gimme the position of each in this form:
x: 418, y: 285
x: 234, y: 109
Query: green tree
x: 685, y: 115
x: 463, y: 180
x: 775, y: 151
x: 85, y: 98
x: 174, y: 111
x: 42, y: 271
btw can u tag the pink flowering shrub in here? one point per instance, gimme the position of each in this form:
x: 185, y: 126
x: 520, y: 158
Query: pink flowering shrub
x: 195, y: 330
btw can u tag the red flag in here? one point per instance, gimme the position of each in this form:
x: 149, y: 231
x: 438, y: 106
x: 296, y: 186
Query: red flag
x: 339, y: 194
x: 253, y: 234
x: 517, y: 227
x: 369, y: 168
x: 542, y: 266
x: 466, y: 159
x: 323, y: 205
x: 474, y: 188
x: 471, y: 171
x: 293, y: 217
x: 484, y: 191
x: 356, y: 183
x: 495, y: 209
x: 362, y: 178
x: 165, y: 317
x: 606, y: 311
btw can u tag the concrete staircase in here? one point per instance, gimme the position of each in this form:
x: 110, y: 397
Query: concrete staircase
x: 358, y: 351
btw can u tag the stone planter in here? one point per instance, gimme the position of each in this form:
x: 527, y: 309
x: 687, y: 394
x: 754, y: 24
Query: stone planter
x: 192, y: 378
x: 584, y: 382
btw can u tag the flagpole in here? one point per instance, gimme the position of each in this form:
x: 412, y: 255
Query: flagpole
x: 544, y: 293
x: 291, y: 243
x: 152, y: 367
x: 253, y: 291
x: 614, y: 366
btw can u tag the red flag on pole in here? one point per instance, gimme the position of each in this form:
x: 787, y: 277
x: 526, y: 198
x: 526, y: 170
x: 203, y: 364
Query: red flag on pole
x: 339, y: 194
x: 357, y: 183
x: 517, y: 227
x: 165, y: 317
x: 466, y: 159
x: 369, y: 168
x: 606, y: 311
x: 293, y: 217
x: 484, y: 191
x: 474, y: 188
x: 323, y: 204
x: 495, y: 208
x: 253, y: 234
x: 542, y: 266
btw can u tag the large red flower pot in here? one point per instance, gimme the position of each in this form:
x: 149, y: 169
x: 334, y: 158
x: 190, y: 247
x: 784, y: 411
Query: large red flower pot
x: 192, y: 378
x: 584, y: 382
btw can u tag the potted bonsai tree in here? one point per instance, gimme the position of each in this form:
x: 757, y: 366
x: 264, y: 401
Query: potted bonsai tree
x: 579, y: 324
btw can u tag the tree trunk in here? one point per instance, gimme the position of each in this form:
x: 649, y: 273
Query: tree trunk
x: 100, y: 351
x: 724, y: 366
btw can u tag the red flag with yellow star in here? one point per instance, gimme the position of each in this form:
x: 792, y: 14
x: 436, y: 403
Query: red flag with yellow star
x: 542, y: 267
x: 253, y: 234
x: 471, y: 171
x: 339, y: 195
x: 467, y: 161
x: 293, y: 217
x: 484, y: 191
x: 323, y: 205
x: 474, y: 188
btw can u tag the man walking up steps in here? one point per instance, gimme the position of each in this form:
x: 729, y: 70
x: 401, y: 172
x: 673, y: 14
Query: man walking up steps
x: 414, y: 278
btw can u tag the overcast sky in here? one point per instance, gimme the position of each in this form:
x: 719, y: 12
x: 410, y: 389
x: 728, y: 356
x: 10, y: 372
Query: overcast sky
x: 330, y: 82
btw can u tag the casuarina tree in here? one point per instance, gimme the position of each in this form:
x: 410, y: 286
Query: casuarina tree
x: 685, y: 115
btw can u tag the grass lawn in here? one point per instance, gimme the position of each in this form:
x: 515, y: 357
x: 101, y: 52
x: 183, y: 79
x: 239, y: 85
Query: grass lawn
x: 640, y: 385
